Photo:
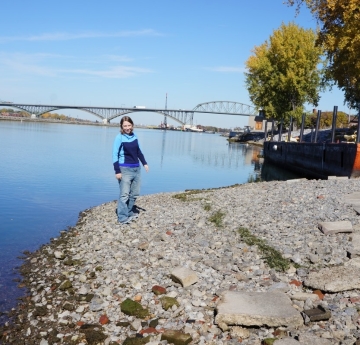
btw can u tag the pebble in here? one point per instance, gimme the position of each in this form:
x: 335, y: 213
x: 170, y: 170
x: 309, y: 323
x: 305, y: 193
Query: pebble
x: 175, y: 245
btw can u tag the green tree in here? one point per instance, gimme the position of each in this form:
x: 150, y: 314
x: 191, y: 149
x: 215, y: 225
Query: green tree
x: 342, y: 119
x: 339, y: 36
x: 282, y: 74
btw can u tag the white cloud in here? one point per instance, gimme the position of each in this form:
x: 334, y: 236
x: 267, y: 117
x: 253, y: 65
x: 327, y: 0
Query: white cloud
x: 117, y: 72
x: 65, y: 36
x: 41, y: 65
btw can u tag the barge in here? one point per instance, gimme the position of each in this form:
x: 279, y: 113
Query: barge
x: 315, y: 160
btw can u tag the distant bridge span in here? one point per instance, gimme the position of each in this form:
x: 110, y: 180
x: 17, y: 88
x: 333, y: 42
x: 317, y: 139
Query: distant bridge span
x: 106, y: 114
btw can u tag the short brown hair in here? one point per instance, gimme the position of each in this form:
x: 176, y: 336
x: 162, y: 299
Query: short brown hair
x: 123, y: 119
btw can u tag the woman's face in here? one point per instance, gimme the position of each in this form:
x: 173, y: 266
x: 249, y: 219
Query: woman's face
x: 127, y: 127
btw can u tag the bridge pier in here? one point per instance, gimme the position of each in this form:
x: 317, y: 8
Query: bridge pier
x: 106, y: 121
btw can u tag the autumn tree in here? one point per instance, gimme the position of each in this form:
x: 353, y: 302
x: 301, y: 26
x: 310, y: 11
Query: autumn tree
x: 283, y: 74
x: 339, y: 36
x: 342, y: 119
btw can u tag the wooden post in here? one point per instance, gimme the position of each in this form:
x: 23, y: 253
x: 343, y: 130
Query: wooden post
x: 280, y: 130
x: 290, y: 125
x: 333, y: 125
x: 265, y: 131
x: 302, y: 127
x: 317, y: 125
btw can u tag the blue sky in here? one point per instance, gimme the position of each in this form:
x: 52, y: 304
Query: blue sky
x: 127, y: 53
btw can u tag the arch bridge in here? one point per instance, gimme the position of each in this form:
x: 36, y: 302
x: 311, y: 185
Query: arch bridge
x: 106, y: 114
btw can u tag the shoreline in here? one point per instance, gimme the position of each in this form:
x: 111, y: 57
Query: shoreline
x: 79, y: 281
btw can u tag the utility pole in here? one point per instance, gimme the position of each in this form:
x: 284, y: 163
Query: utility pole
x: 165, y: 117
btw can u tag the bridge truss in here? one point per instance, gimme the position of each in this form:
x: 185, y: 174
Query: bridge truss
x: 106, y: 114
x: 226, y: 108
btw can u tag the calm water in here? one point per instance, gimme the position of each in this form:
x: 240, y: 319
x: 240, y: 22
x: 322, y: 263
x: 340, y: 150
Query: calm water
x: 51, y: 172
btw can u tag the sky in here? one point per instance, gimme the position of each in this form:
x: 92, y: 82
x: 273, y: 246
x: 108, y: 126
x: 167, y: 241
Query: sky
x: 117, y: 53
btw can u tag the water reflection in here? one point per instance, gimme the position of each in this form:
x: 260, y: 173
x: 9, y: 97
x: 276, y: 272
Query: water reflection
x: 270, y: 172
x: 236, y: 156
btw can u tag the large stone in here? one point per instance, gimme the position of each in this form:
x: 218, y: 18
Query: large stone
x: 352, y: 199
x: 335, y: 227
x: 136, y: 341
x: 303, y: 296
x: 272, y: 309
x: 132, y: 308
x: 176, y: 337
x: 168, y: 302
x: 184, y: 276
x: 318, y: 314
x: 355, y: 241
x: 66, y: 284
x: 286, y: 341
x: 353, y: 262
x: 335, y: 279
x: 308, y: 338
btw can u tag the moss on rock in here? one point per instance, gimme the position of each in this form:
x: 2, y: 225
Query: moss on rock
x: 130, y: 307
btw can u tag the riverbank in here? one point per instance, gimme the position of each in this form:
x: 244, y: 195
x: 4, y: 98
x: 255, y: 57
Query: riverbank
x: 259, y: 239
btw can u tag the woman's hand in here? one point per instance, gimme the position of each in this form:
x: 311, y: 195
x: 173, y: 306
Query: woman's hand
x: 146, y: 168
x: 118, y: 176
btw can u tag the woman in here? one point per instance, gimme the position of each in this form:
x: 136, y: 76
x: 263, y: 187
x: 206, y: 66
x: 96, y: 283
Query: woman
x: 126, y: 156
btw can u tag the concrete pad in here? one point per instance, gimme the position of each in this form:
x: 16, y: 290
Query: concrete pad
x: 308, y: 338
x: 335, y: 279
x: 351, y: 199
x: 335, y: 227
x: 184, y: 276
x: 272, y: 309
x: 318, y: 314
x: 355, y: 241
x: 338, y: 177
x: 353, y: 262
x: 286, y: 341
x: 356, y: 208
x: 303, y: 296
x: 295, y: 180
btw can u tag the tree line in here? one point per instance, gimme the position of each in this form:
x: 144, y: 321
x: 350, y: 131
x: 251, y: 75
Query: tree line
x: 50, y: 116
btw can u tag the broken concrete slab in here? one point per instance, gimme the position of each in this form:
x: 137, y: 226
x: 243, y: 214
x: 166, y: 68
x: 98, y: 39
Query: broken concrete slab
x: 356, y: 208
x: 303, y: 296
x: 272, y: 309
x: 318, y: 314
x: 353, y: 262
x: 355, y: 242
x: 308, y: 338
x: 286, y: 341
x: 335, y: 227
x: 184, y: 276
x: 335, y: 279
x: 344, y: 178
x: 351, y: 199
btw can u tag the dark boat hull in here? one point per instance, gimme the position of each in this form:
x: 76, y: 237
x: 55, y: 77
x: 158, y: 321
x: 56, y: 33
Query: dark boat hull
x: 315, y: 160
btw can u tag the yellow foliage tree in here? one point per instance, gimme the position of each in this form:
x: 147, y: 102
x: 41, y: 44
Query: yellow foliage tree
x: 282, y: 74
x: 340, y: 38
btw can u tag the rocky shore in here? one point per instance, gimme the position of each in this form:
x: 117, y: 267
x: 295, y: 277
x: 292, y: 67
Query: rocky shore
x: 259, y: 263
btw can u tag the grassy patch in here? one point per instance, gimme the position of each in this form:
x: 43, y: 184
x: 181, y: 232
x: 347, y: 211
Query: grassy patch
x: 272, y: 256
x: 217, y: 218
x: 187, y: 194
x: 207, y: 207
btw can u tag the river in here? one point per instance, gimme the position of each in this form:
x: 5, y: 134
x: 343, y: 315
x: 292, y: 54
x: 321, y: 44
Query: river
x: 50, y: 172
